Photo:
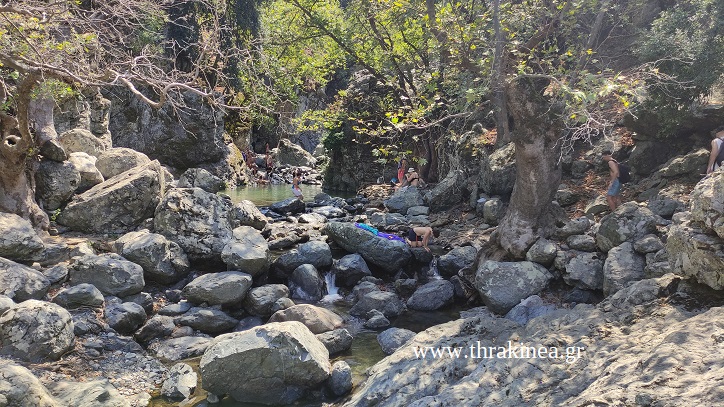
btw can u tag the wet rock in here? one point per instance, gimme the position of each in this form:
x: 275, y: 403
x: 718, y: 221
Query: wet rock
x: 271, y: 364
x: 350, y: 269
x: 455, y: 260
x: 20, y: 282
x: 340, y: 378
x: 363, y: 288
x: 312, y: 218
x: 404, y: 199
x: 97, y: 210
x: 628, y: 222
x: 162, y: 260
x: 376, y: 320
x: 201, y: 178
x: 502, y: 285
x: 223, y: 288
x: 306, y: 284
x: 118, y: 160
x: 386, y: 302
x: 336, y: 341
x: 125, y: 317
x: 207, y: 320
x: 392, y: 339
x: 110, y: 273
x: 317, y: 319
x: 431, y: 296
x: 389, y: 255
x: 622, y: 266
x: 36, y: 331
x: 55, y: 184
x: 180, y: 382
x: 81, y: 295
x: 260, y: 300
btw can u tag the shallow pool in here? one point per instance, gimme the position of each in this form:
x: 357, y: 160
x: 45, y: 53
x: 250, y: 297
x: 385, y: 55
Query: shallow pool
x: 268, y: 194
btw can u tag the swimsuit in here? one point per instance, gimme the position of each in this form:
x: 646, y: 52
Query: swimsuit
x: 412, y: 236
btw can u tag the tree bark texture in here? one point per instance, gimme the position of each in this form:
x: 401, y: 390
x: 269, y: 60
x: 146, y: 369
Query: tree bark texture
x: 537, y: 128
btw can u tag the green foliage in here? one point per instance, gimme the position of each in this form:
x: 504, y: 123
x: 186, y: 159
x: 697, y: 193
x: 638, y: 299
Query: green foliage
x: 334, y: 140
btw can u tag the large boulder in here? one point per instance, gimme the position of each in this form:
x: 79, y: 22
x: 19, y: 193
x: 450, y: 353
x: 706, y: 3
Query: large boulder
x: 19, y: 387
x: 81, y: 141
x: 317, y: 319
x: 294, y: 155
x: 55, y: 183
x: 393, y: 338
x: 98, y: 210
x: 685, y: 165
x: 197, y: 220
x: 389, y: 255
x: 81, y: 295
x: 316, y: 253
x: 404, y: 199
x: 125, y: 317
x: 498, y: 173
x: 628, y: 222
x: 247, y: 251
x: 201, y: 178
x: 224, y: 288
x: 502, y: 285
x: 431, y: 296
x: 707, y: 203
x: 162, y: 260
x: 110, y: 273
x: 622, y: 266
x: 447, y: 193
x: 118, y: 160
x: 386, y: 302
x: 695, y: 253
x: 455, y: 260
x: 18, y: 240
x: 86, y: 166
x: 270, y: 364
x: 260, y: 300
x: 97, y: 393
x: 36, y: 331
x: 20, y: 282
x: 245, y: 213
x: 349, y: 270
x: 306, y: 284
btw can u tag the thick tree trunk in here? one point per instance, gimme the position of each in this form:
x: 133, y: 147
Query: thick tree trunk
x: 498, y: 81
x: 536, y: 130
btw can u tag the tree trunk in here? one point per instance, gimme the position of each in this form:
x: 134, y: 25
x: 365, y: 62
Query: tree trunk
x: 498, y: 81
x: 537, y: 127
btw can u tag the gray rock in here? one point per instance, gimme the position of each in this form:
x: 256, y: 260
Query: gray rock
x: 316, y: 253
x: 162, y: 260
x: 340, y: 378
x: 385, y: 220
x: 126, y: 317
x: 81, y: 295
x: 583, y: 243
x: 584, y: 270
x: 55, y: 184
x: 393, y: 338
x: 173, y: 350
x: 648, y: 244
x: 529, y: 308
x: 336, y: 341
x: 180, y: 382
x: 282, y: 304
x: 350, y: 269
x: 81, y: 141
x: 56, y: 274
x: 294, y: 155
x: 36, y: 331
x: 707, y: 203
x: 404, y: 199
x: 493, y: 211
x: 97, y: 210
x: 456, y: 259
x: 498, y: 172
x: 290, y: 205
x: 664, y: 206
x: 628, y: 222
x: 200, y: 222
x: 312, y: 218
x: 271, y: 364
x: 306, y: 284
x: 201, y: 178
x: 21, y: 282
x: 503, y: 285
x: 207, y: 320
x: 86, y: 166
x: 694, y: 253
x: 389, y: 255
x: 566, y: 197
x: 245, y: 213
x: 97, y: 393
x: 5, y: 303
x: 364, y: 288
x: 376, y: 320
x: 447, y: 193
x: 247, y: 251
x: 542, y: 252
x: 19, y: 387
x: 597, y: 206
x: 223, y: 288
x: 157, y: 327
x: 118, y: 160
x: 330, y: 212
x: 18, y: 239
x: 317, y: 319
x: 110, y: 273
x: 386, y: 302
x: 692, y: 163
x: 143, y: 299
x: 431, y: 296
x: 573, y: 227
x: 260, y: 300
x: 418, y: 210
x: 622, y: 266
x: 248, y: 323
x: 176, y: 309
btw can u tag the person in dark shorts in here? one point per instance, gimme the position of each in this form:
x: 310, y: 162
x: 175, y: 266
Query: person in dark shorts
x: 420, y: 236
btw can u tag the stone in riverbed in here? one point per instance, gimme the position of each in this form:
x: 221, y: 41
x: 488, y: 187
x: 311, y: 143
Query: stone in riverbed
x: 224, y: 288
x: 19, y: 387
x: 349, y: 270
x: 340, y: 378
x: 389, y: 255
x: 290, y: 205
x: 317, y: 319
x: 392, y: 339
x: 336, y: 341
x: 316, y: 253
x: 172, y: 350
x: 158, y: 326
x: 36, y: 331
x: 18, y: 239
x: 98, y: 393
x: 81, y: 295
x: 306, y: 284
x: 247, y: 251
x: 431, y: 296
x: 259, y: 301
x: 125, y: 317
x: 20, y: 282
x: 456, y: 259
x: 384, y: 301
x: 162, y: 260
x: 110, y: 273
x: 502, y: 285
x: 207, y: 320
x: 180, y: 382
x: 270, y: 364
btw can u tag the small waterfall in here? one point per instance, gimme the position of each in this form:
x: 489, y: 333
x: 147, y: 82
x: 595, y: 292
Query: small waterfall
x: 433, y: 273
x: 332, y: 289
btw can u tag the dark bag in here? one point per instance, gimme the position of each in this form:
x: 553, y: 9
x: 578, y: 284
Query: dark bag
x: 624, y: 173
x: 720, y: 155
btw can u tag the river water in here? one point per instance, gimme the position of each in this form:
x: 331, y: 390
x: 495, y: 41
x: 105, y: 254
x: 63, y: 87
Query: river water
x: 268, y: 194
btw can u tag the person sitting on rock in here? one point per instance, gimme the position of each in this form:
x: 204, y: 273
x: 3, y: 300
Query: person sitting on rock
x: 413, y: 178
x: 420, y: 236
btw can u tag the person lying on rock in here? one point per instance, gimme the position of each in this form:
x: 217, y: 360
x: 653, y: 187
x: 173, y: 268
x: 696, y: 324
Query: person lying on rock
x: 420, y: 236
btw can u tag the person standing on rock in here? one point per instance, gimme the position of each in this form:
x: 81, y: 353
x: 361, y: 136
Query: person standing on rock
x: 296, y: 190
x: 613, y: 195
x: 420, y: 236
x: 715, y: 160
